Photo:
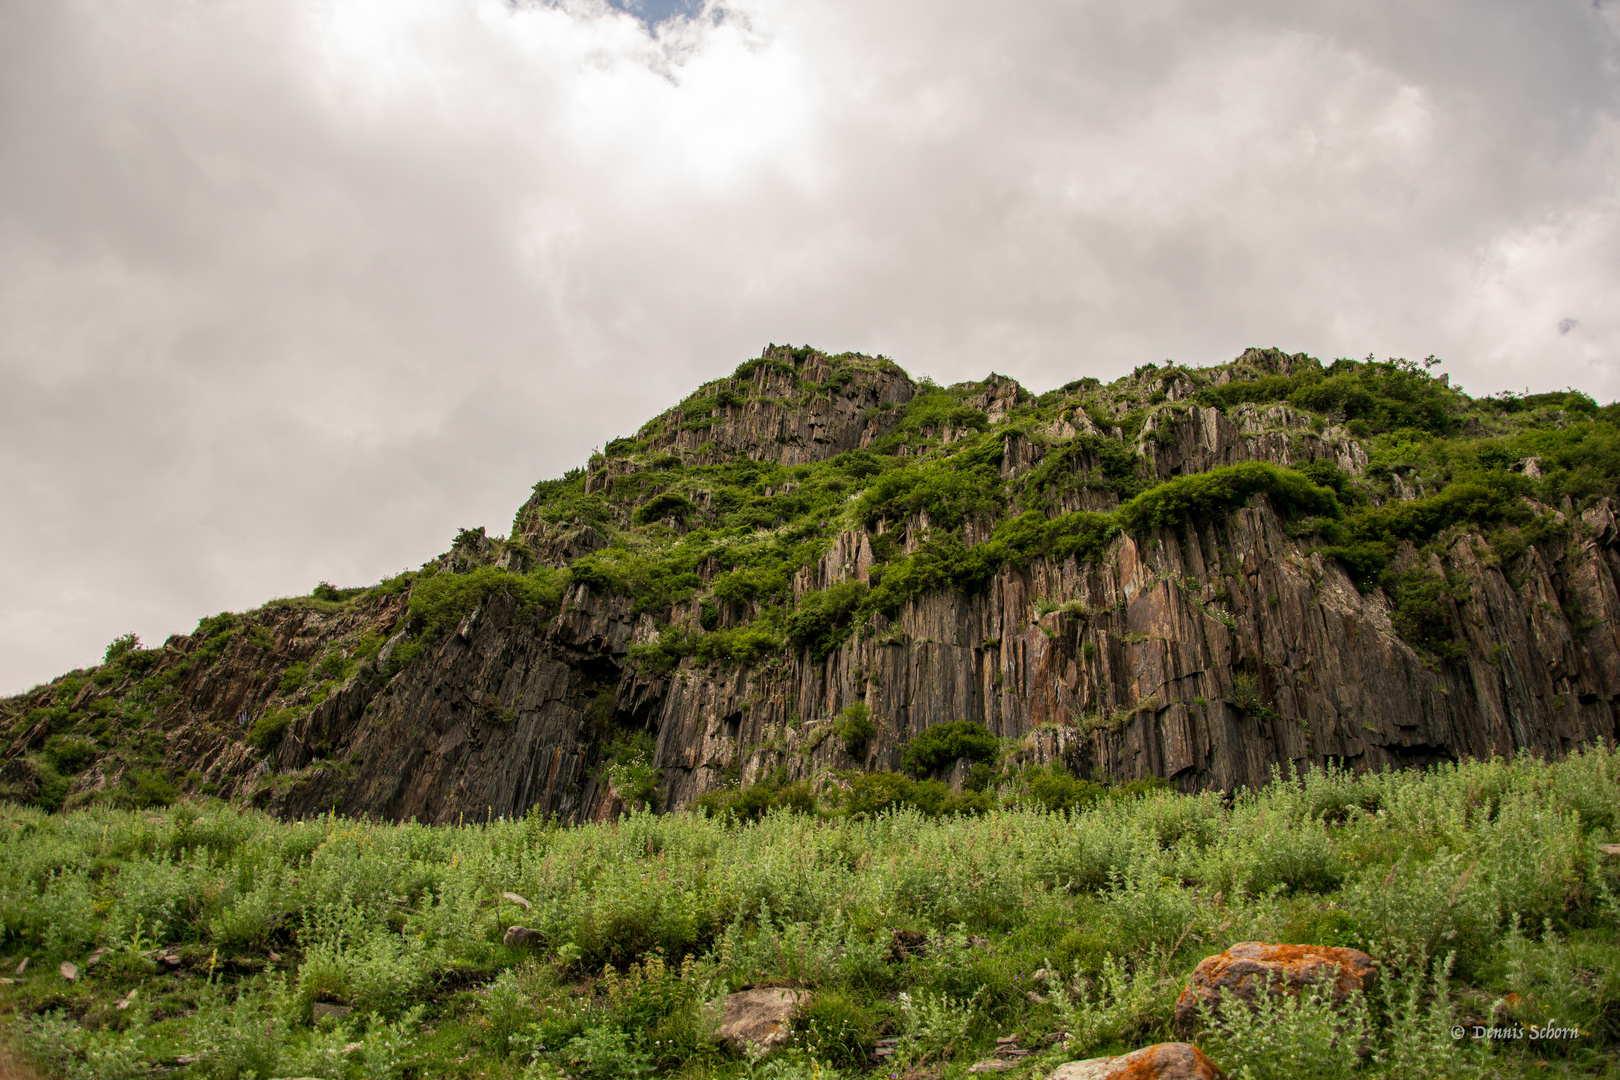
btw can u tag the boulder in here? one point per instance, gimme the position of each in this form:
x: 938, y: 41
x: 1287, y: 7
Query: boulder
x: 1252, y: 966
x: 760, y: 1019
x: 1161, y: 1061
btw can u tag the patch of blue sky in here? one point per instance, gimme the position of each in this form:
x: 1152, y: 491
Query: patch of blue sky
x: 653, y: 12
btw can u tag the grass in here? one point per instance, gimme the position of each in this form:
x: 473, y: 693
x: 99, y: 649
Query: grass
x: 1480, y: 888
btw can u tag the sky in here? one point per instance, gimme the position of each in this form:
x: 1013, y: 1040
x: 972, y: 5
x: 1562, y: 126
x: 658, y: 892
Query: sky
x: 291, y: 292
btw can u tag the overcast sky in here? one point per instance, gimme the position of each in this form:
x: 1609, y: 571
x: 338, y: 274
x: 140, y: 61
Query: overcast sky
x: 292, y: 291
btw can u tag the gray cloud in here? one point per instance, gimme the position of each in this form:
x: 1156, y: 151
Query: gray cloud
x: 291, y: 293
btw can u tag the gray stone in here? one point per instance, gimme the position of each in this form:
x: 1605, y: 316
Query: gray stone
x: 760, y: 1019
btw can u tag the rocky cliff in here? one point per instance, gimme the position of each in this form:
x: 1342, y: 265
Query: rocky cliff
x: 1198, y: 575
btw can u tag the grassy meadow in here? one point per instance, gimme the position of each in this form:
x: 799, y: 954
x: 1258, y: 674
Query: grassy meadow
x: 221, y: 937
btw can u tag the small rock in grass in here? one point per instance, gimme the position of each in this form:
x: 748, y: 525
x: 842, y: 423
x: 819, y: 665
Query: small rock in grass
x: 1161, y: 1061
x: 95, y: 958
x: 336, y: 1012
x: 518, y: 900
x: 992, y: 1065
x: 69, y: 970
x: 760, y: 1019
x: 906, y: 943
x: 127, y: 1000
x: 22, y: 967
x: 1609, y: 849
x: 521, y: 935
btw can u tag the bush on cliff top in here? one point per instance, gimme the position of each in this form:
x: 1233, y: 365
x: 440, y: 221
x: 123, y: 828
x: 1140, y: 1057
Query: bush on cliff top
x: 439, y: 603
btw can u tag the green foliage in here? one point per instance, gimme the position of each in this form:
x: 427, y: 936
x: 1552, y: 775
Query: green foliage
x: 293, y: 677
x: 1193, y: 500
x: 838, y: 1029
x: 737, y: 645
x: 1056, y: 790
x: 875, y: 793
x: 439, y: 603
x: 1118, y: 1007
x: 823, y: 620
x: 630, y: 767
x: 120, y: 647
x: 854, y: 726
x: 931, y: 411
x: 50, y: 787
x: 1085, y: 461
x: 266, y: 733
x: 1425, y: 612
x: 773, y: 792
x: 69, y: 755
x: 150, y: 788
x: 401, y: 656
x: 1282, y: 1036
x: 1248, y: 698
x: 966, y: 483
x: 667, y: 505
x: 943, y: 744
x: 332, y: 594
x: 1494, y: 864
x: 1371, y: 396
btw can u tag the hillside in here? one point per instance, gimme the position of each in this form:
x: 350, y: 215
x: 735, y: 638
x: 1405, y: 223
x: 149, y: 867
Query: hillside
x: 781, y: 584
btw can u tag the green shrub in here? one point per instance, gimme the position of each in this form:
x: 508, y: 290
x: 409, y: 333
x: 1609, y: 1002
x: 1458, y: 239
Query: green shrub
x: 266, y: 732
x: 630, y: 767
x: 439, y: 603
x: 837, y: 1029
x: 943, y: 744
x: 874, y: 793
x: 1054, y: 789
x: 822, y: 620
x: 69, y: 755
x: 1425, y: 612
x: 757, y: 800
x: 401, y: 656
x: 151, y: 788
x: 332, y: 594
x: 855, y: 728
x: 670, y: 504
x: 120, y: 647
x: 50, y: 787
x: 1195, y: 499
x: 293, y: 677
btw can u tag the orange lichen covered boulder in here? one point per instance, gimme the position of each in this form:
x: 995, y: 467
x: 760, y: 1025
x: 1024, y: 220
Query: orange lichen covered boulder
x: 1251, y: 967
x: 1161, y: 1061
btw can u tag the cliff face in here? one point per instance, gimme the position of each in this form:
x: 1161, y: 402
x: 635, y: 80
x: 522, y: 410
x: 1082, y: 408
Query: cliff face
x: 1207, y: 651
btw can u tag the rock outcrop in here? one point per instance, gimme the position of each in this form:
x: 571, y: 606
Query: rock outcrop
x: 1210, y: 654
